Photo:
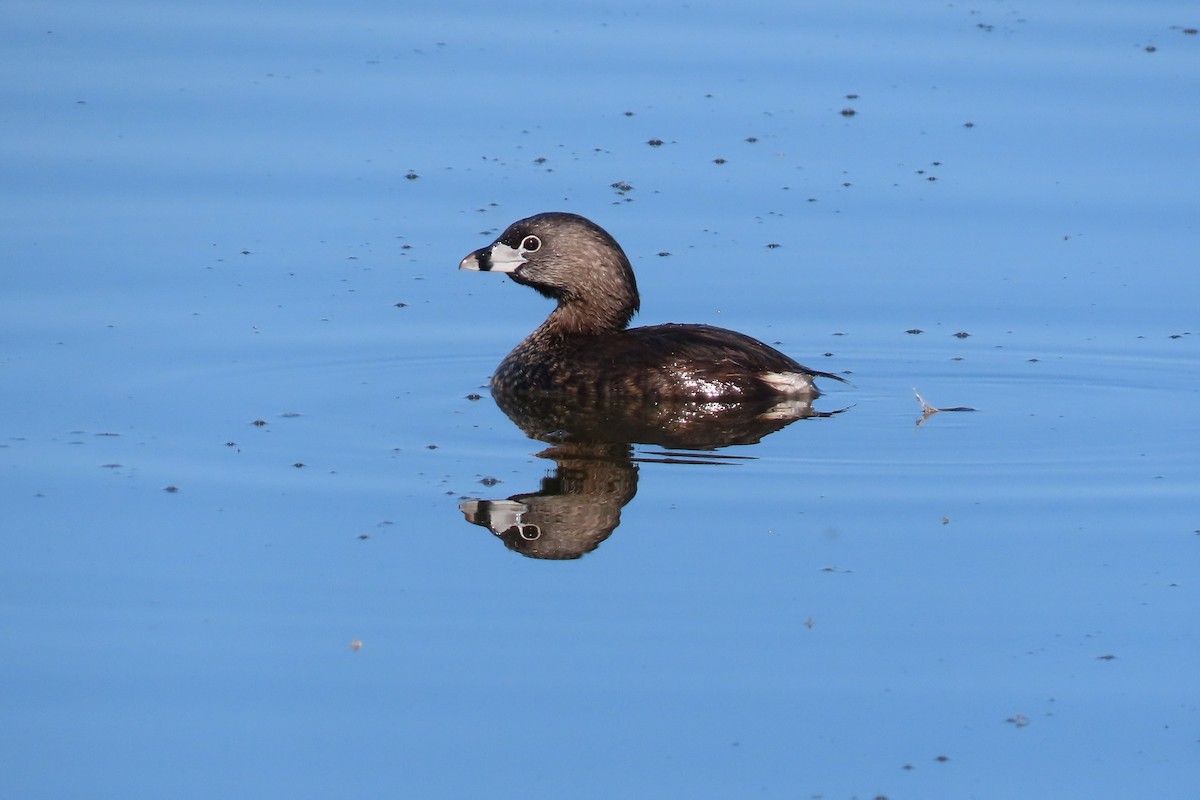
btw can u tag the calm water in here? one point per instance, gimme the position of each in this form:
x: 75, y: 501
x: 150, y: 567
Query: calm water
x: 245, y: 398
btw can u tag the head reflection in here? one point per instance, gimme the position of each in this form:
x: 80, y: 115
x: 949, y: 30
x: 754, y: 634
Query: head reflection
x: 577, y: 506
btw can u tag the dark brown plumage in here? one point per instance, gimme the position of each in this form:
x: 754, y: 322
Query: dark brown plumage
x: 584, y: 348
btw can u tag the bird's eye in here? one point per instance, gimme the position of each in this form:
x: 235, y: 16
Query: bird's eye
x: 530, y: 533
x: 530, y: 244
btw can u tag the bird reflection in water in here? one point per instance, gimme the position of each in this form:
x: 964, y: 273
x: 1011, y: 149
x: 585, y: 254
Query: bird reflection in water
x: 579, y: 504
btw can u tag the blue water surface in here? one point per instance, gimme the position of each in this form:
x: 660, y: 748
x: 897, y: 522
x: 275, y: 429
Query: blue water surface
x: 245, y: 394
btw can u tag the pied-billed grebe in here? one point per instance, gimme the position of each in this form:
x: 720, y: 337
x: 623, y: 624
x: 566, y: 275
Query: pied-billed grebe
x: 584, y: 348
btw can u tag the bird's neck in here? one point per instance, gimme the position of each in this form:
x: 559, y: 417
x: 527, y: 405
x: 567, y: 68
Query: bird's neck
x: 588, y: 317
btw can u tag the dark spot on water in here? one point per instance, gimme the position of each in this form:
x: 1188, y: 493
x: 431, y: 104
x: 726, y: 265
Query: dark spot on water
x: 290, y: 414
x: 259, y: 422
x: 718, y: 161
x: 540, y: 160
x: 931, y: 178
x: 914, y: 331
x: 489, y: 481
x: 851, y: 97
x: 622, y: 187
x: 362, y: 537
x: 848, y: 112
x: 942, y: 759
x: 231, y: 444
x: 245, y: 252
x: 629, y: 113
x: 663, y: 254
x: 655, y: 142
x: 983, y: 26
x: 1106, y: 657
x: 110, y: 466
x: 1189, y: 31
x: 171, y: 489
x: 961, y: 335
x: 474, y: 397
x: 774, y: 245
x: 751, y: 139
x: 1151, y: 48
x: 412, y: 176
x: 968, y: 124
x: 299, y: 465
x: 431, y: 447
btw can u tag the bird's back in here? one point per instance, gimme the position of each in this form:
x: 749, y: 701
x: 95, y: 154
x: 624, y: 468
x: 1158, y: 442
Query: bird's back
x: 655, y: 362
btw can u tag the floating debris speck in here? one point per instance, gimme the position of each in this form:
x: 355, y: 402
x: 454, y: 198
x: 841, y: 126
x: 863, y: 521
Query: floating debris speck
x: 928, y: 411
